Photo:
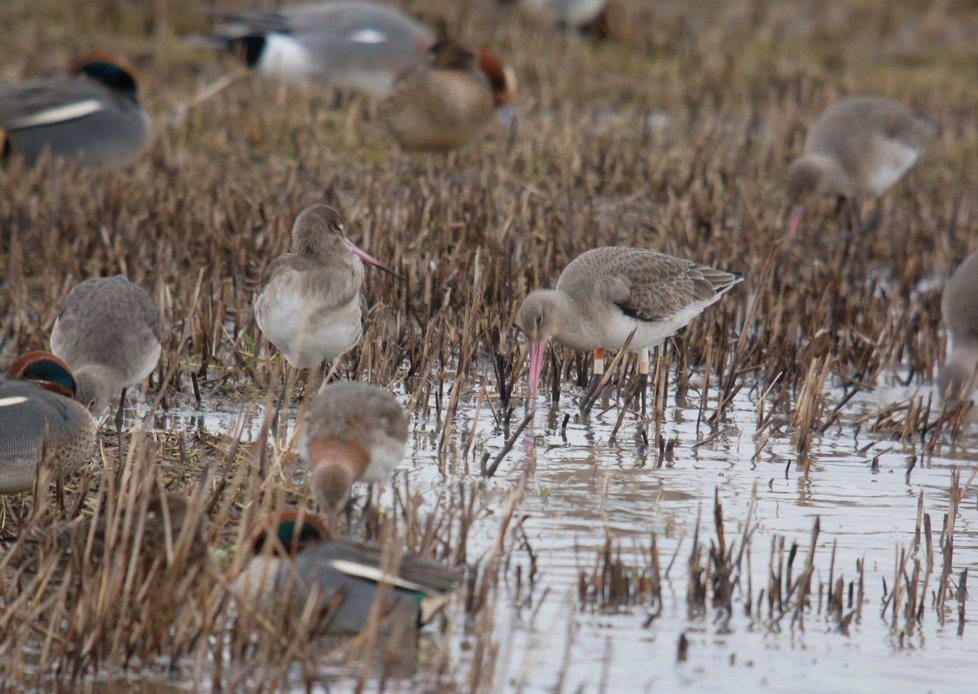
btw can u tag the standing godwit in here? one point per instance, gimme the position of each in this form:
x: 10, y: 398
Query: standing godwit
x: 348, y: 45
x: 39, y: 415
x: 109, y: 332
x: 93, y: 116
x: 444, y: 102
x: 607, y: 295
x: 292, y: 557
x: 310, y: 304
x: 352, y: 431
x: 959, y: 306
x: 859, y: 145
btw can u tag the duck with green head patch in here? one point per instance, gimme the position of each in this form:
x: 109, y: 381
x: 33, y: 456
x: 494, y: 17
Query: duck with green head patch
x: 38, y: 415
x: 92, y: 116
x: 293, y: 560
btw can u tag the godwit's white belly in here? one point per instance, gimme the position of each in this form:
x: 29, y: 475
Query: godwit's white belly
x: 893, y: 159
x: 306, y: 328
x: 385, y: 454
x: 613, y: 329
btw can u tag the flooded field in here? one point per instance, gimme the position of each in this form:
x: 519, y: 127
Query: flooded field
x: 797, y: 510
x: 575, y: 610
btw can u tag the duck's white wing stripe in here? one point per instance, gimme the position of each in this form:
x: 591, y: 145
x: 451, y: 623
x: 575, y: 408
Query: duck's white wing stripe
x: 373, y: 573
x: 60, y: 114
x: 367, y: 35
x: 12, y: 400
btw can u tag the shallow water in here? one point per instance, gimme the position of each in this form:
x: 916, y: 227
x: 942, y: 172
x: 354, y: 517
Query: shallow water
x: 582, y: 488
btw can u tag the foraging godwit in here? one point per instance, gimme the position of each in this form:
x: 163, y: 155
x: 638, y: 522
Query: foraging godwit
x: 606, y: 294
x: 39, y: 415
x: 309, y: 304
x: 352, y: 431
x: 444, y: 102
x: 294, y: 557
x: 348, y: 45
x: 109, y: 332
x: 93, y: 116
x: 859, y: 145
x: 959, y: 306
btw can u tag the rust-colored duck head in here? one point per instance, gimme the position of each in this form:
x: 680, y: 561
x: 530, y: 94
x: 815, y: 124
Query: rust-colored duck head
x: 290, y: 531
x: 502, y: 79
x: 111, y: 71
x: 46, y: 370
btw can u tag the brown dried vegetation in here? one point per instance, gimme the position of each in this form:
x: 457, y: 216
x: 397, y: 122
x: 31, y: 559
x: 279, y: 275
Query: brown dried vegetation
x: 675, y: 137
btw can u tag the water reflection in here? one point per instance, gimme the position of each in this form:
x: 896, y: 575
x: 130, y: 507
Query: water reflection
x: 582, y: 485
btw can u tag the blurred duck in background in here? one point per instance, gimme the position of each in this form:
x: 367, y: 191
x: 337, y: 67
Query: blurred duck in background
x: 361, y: 46
x: 582, y: 15
x: 92, y: 115
x: 442, y: 103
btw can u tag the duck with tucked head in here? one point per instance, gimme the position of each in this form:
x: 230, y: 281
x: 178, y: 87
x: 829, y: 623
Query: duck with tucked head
x: 39, y: 416
x: 93, y: 116
x: 292, y: 559
x: 445, y: 101
x: 347, y: 45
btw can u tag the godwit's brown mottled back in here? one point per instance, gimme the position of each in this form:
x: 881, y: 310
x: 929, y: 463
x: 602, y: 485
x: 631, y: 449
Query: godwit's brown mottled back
x: 607, y: 293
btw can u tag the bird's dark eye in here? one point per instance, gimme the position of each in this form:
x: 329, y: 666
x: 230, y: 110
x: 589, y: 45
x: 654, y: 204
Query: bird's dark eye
x: 539, y: 321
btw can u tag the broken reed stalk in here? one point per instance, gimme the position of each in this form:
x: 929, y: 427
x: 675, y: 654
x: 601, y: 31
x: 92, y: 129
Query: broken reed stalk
x: 591, y: 167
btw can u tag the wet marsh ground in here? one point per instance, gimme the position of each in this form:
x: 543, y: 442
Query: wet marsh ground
x: 798, y: 512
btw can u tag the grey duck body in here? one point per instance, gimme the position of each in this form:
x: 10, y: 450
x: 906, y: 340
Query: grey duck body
x: 33, y: 419
x: 79, y: 118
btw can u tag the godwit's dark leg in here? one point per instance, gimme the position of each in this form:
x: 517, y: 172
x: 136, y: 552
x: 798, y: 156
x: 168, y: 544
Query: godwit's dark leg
x: 875, y: 219
x: 643, y: 376
x: 278, y: 405
x: 591, y: 394
x: 118, y: 424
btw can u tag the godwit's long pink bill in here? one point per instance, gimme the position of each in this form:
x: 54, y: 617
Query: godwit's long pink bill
x: 367, y: 258
x: 537, y: 350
